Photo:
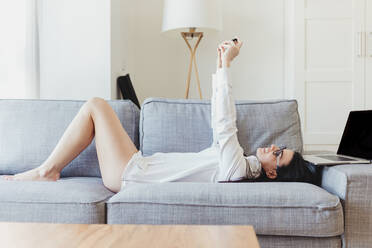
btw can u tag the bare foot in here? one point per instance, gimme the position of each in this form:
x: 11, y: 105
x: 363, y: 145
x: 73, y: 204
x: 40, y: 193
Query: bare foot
x: 37, y: 174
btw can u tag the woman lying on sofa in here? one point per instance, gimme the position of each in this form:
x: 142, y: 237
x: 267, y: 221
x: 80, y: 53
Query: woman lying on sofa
x: 121, y: 164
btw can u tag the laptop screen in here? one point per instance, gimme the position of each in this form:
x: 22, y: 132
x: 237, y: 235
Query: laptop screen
x: 357, y: 137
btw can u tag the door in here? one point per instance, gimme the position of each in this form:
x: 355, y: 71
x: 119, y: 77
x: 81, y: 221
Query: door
x: 328, y: 67
x: 368, y: 54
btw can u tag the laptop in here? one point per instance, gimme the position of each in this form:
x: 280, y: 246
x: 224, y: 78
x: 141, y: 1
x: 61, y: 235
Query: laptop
x: 356, y: 142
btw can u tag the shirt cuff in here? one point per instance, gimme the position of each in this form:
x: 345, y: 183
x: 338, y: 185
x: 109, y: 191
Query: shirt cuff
x: 255, y: 166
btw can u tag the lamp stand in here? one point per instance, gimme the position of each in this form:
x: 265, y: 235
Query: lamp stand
x: 192, y: 34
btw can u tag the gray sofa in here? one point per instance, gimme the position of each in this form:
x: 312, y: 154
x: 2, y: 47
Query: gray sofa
x: 283, y: 214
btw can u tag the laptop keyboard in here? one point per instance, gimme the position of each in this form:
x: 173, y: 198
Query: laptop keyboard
x: 336, y: 158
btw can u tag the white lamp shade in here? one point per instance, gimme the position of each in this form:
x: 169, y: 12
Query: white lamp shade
x: 180, y: 15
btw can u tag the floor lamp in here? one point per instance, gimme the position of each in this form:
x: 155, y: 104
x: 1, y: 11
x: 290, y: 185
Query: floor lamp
x: 184, y: 17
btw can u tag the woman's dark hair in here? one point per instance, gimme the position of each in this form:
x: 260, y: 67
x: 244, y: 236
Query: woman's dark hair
x: 298, y: 170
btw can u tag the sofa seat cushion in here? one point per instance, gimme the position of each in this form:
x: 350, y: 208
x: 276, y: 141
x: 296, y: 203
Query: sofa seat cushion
x: 291, y: 209
x: 68, y: 200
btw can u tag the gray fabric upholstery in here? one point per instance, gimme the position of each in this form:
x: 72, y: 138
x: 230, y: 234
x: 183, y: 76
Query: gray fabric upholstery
x: 283, y: 214
x: 179, y: 125
x: 295, y: 209
x: 353, y: 184
x: 30, y: 129
x: 69, y: 200
x: 296, y: 242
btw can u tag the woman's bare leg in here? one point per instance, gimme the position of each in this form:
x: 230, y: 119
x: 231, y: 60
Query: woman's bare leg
x: 114, y: 147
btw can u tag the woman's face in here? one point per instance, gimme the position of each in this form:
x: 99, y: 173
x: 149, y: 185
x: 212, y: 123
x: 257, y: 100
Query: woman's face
x: 267, y: 157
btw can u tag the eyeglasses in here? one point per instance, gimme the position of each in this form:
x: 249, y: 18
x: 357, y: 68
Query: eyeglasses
x: 278, y: 154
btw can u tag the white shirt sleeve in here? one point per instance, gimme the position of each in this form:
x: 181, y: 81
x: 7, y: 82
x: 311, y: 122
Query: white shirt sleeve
x: 233, y: 164
x: 213, y: 108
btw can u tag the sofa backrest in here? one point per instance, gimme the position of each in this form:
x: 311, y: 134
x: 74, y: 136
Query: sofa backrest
x: 179, y: 125
x: 30, y: 129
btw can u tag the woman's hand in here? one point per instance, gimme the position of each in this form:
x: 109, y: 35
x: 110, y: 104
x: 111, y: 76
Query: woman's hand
x: 227, y: 51
x: 270, y: 171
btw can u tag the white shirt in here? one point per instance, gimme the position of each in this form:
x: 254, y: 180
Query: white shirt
x: 222, y: 161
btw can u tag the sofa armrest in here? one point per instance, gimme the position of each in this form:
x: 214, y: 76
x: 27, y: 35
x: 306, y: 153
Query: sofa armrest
x: 353, y: 185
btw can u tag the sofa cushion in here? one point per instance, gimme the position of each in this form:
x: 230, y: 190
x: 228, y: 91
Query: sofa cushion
x: 30, y: 129
x: 293, y: 209
x: 296, y: 242
x: 69, y: 200
x: 179, y: 125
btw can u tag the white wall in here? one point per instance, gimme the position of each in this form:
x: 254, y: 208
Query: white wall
x: 158, y: 64
x: 75, y: 49
x: 120, y: 15
x: 86, y: 45
x: 265, y: 68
